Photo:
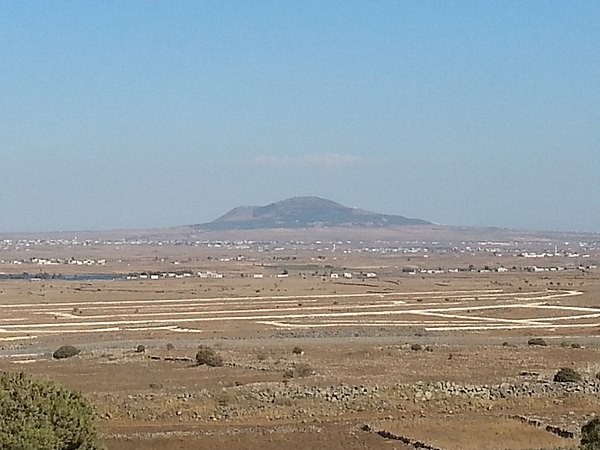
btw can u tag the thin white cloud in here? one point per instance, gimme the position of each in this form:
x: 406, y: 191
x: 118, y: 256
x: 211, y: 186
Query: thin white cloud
x: 311, y: 160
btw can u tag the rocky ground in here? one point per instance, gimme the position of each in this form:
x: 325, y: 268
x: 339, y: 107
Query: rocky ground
x: 354, y: 387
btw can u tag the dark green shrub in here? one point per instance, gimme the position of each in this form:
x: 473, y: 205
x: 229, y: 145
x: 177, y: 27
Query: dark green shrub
x: 537, y: 341
x: 37, y: 414
x: 297, y: 351
x: 590, y: 435
x: 567, y: 375
x: 170, y: 346
x: 416, y: 347
x: 140, y: 349
x: 66, y: 351
x: 206, y: 356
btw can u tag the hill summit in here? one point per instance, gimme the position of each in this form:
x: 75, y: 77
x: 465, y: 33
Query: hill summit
x: 304, y: 212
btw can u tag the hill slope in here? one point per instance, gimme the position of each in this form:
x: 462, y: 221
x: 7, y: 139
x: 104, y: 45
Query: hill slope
x: 304, y: 212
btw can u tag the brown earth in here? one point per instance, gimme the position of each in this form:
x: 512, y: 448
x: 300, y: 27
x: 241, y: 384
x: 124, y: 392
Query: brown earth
x: 357, y: 365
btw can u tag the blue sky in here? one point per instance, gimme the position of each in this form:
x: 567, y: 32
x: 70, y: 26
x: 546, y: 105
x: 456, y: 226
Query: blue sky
x: 160, y: 113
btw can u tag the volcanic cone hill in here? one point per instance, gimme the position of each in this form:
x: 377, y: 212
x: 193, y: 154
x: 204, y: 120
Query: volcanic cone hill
x: 305, y: 212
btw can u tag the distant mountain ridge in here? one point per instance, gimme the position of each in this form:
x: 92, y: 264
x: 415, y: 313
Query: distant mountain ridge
x: 305, y: 212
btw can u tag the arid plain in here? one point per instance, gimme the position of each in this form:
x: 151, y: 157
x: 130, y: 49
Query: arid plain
x: 380, y: 340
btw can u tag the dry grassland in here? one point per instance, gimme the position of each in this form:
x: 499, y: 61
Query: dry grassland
x: 440, y: 359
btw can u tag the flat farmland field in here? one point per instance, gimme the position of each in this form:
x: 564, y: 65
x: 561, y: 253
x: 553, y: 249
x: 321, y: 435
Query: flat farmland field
x: 386, y: 360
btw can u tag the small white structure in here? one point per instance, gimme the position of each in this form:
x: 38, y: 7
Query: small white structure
x: 209, y: 274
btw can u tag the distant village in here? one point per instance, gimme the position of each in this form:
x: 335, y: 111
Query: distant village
x: 269, y: 258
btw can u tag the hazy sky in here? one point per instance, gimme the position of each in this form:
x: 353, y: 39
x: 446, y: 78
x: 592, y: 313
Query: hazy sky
x: 128, y: 114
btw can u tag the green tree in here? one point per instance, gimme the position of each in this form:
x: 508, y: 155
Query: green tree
x: 66, y: 351
x: 37, y: 414
x: 207, y: 356
x: 590, y: 435
x: 567, y: 375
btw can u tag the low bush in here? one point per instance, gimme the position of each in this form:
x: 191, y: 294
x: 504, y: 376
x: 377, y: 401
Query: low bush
x: 66, y: 351
x: 140, y: 349
x: 304, y: 370
x: 297, y: 351
x: 300, y: 371
x: 567, y: 375
x: 36, y: 414
x: 206, y: 356
x: 416, y: 347
x: 537, y: 341
x: 590, y: 435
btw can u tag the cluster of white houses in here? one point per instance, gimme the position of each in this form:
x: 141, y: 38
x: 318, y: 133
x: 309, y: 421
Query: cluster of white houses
x: 208, y: 274
x: 56, y: 262
x: 552, y: 255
